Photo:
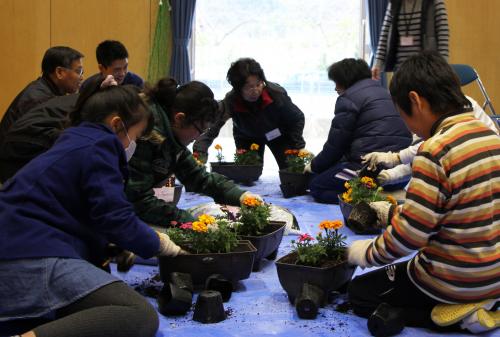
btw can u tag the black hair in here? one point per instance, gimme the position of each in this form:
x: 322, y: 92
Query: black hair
x: 348, y: 71
x: 59, y: 56
x: 194, y: 98
x: 241, y: 69
x: 97, y: 104
x: 110, y: 50
x: 429, y: 75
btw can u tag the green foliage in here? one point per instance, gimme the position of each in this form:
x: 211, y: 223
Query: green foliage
x: 247, y: 157
x: 254, y: 217
x: 296, y: 160
x: 308, y: 253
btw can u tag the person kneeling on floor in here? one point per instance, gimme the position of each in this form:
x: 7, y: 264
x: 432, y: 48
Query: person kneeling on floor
x: 450, y: 216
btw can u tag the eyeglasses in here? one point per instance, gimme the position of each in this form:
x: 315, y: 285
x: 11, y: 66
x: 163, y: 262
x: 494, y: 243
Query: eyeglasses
x: 78, y: 71
x: 200, y: 131
x: 249, y: 87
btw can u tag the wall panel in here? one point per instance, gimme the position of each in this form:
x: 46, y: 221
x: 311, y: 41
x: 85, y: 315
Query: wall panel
x: 25, y: 35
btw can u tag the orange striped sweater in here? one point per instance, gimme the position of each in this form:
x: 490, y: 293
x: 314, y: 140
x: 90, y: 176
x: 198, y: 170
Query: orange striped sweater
x: 451, y: 215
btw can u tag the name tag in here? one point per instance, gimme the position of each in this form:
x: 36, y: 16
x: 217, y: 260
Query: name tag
x: 406, y: 41
x: 273, y: 134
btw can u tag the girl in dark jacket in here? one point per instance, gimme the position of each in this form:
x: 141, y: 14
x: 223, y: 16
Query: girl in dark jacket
x: 365, y: 119
x: 57, y: 216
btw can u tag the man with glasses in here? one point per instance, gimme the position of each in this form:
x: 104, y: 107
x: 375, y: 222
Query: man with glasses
x: 62, y: 73
x: 112, y: 59
x: 261, y: 111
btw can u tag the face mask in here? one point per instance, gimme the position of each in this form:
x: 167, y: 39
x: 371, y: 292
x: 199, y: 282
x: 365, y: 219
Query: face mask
x: 130, y: 149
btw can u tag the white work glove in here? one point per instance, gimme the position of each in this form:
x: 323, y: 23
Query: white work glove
x: 308, y: 169
x: 250, y: 194
x: 108, y: 82
x: 395, y: 175
x: 388, y: 159
x: 168, y: 247
x: 382, y: 208
x: 356, y: 253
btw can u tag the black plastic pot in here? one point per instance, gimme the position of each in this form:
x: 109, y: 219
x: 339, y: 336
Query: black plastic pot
x: 209, y: 307
x: 294, y: 184
x: 244, y: 174
x: 221, y: 284
x: 363, y: 221
x: 235, y: 266
x: 309, y: 301
x: 173, y: 300
x: 292, y: 276
x: 267, y: 244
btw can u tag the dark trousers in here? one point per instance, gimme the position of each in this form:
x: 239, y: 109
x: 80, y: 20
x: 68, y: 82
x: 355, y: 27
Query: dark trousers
x: 113, y: 310
x: 278, y: 146
x: 392, y: 285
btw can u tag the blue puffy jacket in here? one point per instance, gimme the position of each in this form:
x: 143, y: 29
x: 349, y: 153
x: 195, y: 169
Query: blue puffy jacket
x: 365, y: 121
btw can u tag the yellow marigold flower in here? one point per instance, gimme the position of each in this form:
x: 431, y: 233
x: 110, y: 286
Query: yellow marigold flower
x: 218, y: 147
x: 369, y: 182
x: 392, y: 200
x: 254, y: 147
x: 251, y: 202
x: 347, y: 185
x: 346, y: 196
x: 206, y: 219
x: 199, y: 226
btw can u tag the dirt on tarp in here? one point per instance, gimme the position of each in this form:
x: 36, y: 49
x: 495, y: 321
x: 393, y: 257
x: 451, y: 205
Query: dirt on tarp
x: 149, y: 287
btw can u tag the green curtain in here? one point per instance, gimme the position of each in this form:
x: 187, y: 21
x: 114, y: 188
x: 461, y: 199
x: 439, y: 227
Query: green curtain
x: 161, y: 48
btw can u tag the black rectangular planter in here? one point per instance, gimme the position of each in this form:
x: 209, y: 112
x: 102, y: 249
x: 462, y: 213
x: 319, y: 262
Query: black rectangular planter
x: 266, y: 244
x: 292, y: 276
x: 244, y: 174
x: 235, y: 266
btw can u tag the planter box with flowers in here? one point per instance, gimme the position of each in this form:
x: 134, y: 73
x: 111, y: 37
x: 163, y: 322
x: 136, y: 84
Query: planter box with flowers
x: 358, y: 191
x: 293, y: 179
x: 322, y: 264
x: 246, y: 168
x: 254, y: 225
x: 214, y: 249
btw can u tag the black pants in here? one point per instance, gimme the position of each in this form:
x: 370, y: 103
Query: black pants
x: 113, y: 310
x: 278, y: 146
x: 393, y: 286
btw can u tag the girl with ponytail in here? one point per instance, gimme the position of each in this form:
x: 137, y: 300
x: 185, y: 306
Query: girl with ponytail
x: 181, y: 114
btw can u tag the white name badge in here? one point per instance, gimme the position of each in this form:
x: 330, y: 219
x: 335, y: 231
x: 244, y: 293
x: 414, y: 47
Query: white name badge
x: 406, y: 41
x: 273, y: 134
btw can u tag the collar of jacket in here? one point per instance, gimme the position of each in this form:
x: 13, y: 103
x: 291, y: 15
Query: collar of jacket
x: 52, y: 86
x: 450, y: 118
x: 266, y: 99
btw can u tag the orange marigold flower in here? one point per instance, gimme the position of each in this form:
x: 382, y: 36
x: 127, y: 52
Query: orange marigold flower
x: 254, y: 147
x: 251, y: 202
x: 218, y: 147
x: 330, y: 224
x: 392, y: 200
x: 199, y: 226
x: 303, y: 153
x: 288, y: 151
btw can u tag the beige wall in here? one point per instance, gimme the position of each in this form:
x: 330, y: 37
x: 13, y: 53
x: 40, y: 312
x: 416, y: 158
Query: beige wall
x: 475, y: 40
x: 29, y: 27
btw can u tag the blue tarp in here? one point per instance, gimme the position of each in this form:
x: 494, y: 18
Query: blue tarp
x: 260, y: 307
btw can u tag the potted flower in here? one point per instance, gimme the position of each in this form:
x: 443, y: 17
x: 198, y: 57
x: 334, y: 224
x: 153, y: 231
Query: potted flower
x: 293, y: 180
x: 254, y: 225
x: 214, y: 249
x: 246, y: 167
x: 319, y: 261
x: 359, y: 190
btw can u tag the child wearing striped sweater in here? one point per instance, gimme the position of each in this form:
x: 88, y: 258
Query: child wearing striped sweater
x: 451, y: 216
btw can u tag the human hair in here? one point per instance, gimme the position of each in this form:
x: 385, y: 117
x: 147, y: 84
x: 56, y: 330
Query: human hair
x: 110, y: 50
x: 59, y: 56
x: 195, y: 99
x: 240, y: 70
x: 348, y: 71
x: 122, y: 100
x: 429, y: 75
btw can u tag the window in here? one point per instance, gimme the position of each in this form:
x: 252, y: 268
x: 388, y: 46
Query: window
x: 294, y: 41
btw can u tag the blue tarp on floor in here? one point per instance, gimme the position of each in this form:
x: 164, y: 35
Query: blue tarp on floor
x: 260, y: 307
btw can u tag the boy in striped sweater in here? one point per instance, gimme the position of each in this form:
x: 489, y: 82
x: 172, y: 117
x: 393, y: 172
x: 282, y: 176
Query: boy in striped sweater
x: 451, y: 216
